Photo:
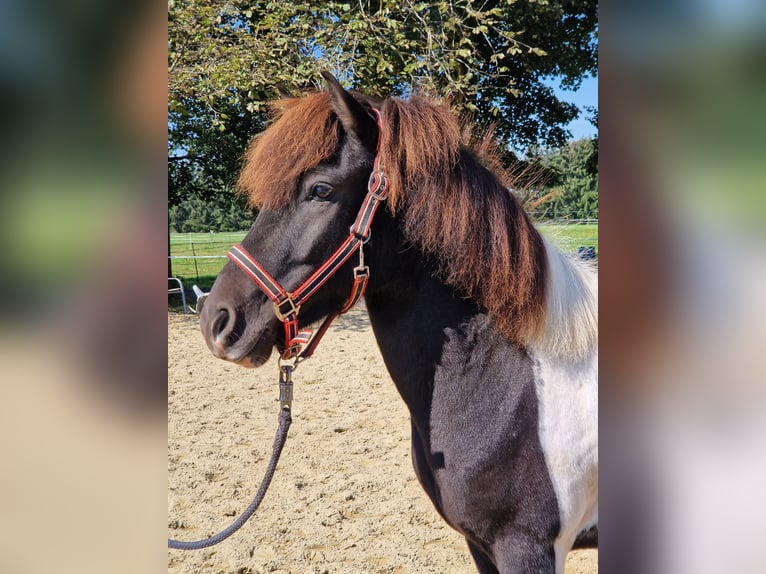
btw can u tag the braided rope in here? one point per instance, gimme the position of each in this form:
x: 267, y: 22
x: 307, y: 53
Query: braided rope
x: 285, y: 419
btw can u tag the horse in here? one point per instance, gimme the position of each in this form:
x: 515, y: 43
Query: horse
x: 488, y: 331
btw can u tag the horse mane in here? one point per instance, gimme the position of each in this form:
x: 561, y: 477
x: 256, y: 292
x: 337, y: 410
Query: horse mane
x: 452, y: 207
x: 456, y: 209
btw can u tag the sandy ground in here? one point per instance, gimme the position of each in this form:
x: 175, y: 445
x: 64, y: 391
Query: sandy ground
x: 344, y: 498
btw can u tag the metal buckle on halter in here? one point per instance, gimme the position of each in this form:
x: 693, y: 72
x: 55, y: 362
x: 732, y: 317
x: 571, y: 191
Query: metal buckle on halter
x: 380, y: 190
x: 293, y: 310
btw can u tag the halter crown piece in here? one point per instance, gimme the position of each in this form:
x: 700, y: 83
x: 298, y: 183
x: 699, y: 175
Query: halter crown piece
x: 299, y: 343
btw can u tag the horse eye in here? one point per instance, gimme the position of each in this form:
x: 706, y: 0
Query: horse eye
x: 321, y: 191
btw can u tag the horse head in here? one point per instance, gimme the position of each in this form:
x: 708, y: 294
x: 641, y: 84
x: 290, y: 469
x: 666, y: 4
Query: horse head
x: 309, y: 175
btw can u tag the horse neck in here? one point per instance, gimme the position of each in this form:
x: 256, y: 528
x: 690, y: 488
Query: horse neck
x: 411, y: 313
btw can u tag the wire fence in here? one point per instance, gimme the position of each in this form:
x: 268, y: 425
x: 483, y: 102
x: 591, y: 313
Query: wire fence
x: 199, y: 257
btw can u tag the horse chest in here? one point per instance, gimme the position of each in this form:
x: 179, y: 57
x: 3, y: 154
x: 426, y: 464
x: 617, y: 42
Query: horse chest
x: 479, y: 456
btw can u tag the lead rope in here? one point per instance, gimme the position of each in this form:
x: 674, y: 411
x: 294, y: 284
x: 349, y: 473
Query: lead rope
x: 285, y: 419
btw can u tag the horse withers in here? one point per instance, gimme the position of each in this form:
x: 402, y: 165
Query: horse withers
x: 488, y: 332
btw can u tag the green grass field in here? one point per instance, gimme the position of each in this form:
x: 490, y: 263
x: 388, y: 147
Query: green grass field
x: 204, y: 271
x: 569, y: 236
x: 183, y: 246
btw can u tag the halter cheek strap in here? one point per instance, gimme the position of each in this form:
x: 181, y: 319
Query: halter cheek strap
x: 300, y: 343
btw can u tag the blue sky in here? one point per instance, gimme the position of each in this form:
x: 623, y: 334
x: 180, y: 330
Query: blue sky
x: 586, y: 95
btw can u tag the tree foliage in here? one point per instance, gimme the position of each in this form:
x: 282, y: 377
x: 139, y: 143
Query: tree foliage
x: 197, y: 214
x: 572, y: 190
x: 491, y: 58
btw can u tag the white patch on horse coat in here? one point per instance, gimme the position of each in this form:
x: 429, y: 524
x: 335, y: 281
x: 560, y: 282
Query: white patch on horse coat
x: 566, y: 363
x: 567, y: 392
x: 571, y: 307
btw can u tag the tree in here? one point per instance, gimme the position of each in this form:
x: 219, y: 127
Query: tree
x: 489, y: 58
x: 572, y: 191
x: 204, y: 157
x: 195, y: 214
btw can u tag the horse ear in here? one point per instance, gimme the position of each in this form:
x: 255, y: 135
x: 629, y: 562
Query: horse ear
x: 352, y: 115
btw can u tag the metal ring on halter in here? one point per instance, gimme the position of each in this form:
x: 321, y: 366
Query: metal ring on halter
x: 283, y: 365
x: 363, y: 238
x: 380, y: 190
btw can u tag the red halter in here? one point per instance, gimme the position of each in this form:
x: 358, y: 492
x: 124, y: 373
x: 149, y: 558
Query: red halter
x: 287, y: 305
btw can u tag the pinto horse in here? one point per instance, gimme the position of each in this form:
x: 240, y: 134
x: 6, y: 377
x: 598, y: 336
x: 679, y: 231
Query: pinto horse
x: 488, y: 332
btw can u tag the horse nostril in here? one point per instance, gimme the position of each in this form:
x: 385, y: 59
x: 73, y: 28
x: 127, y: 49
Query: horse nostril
x: 223, y: 324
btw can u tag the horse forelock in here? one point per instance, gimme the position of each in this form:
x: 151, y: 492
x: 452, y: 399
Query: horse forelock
x: 304, y: 134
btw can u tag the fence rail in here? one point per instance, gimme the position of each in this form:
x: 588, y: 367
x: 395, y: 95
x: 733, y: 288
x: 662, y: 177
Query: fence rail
x: 199, y: 257
x: 196, y: 256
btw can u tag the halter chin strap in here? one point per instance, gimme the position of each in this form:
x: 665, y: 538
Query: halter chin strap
x: 300, y: 343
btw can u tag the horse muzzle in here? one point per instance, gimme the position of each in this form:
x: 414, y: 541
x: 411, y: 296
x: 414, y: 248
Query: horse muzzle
x: 223, y: 329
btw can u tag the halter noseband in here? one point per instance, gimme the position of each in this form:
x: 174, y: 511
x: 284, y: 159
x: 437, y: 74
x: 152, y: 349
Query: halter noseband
x: 300, y: 343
